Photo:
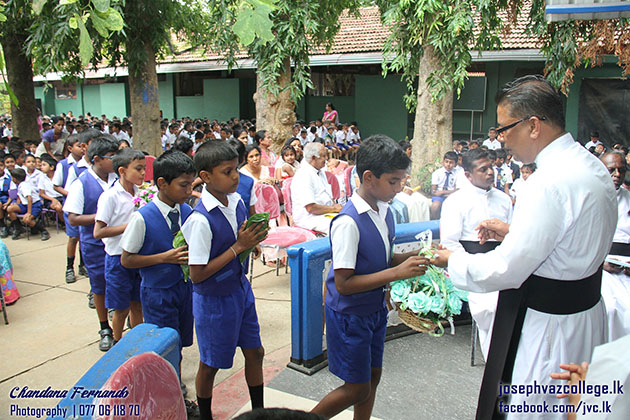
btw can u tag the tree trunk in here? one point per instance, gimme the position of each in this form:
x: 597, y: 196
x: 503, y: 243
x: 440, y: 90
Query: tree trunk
x: 433, y: 127
x: 20, y: 78
x: 145, y: 105
x: 276, y: 114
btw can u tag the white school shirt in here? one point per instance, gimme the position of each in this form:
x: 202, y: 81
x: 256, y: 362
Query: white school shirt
x: 24, y: 190
x: 438, y: 177
x: 197, y: 230
x: 562, y: 227
x: 492, y: 144
x: 46, y: 184
x: 57, y: 178
x: 75, y: 199
x: 354, y: 138
x: 592, y: 143
x: 133, y: 238
x: 309, y: 186
x: 7, y: 174
x: 321, y: 131
x: 115, y: 207
x: 340, y: 137
x: 72, y: 175
x: 344, y: 233
x: 463, y: 210
x: 622, y: 232
x: 33, y: 179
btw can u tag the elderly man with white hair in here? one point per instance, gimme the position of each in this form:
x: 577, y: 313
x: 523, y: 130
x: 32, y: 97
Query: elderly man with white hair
x: 311, y: 195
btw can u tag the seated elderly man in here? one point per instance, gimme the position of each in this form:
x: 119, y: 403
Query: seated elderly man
x: 311, y: 195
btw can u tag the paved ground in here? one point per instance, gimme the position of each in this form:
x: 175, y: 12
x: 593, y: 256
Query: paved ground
x: 52, y: 341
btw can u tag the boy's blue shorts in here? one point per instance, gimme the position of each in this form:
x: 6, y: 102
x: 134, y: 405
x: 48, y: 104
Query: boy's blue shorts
x: 71, y: 231
x: 170, y: 307
x: 223, y: 323
x: 123, y: 284
x: 4, y: 198
x: 328, y: 146
x: 342, y: 146
x: 36, y: 208
x: 94, y: 260
x: 355, y: 344
x: 435, y: 198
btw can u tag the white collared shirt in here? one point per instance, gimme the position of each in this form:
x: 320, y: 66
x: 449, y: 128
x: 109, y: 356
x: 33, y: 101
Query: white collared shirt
x: 562, y: 225
x: 133, y: 238
x: 46, y: 184
x: 463, y: 210
x: 33, y: 179
x: 197, y: 230
x: 72, y: 175
x: 622, y: 233
x: 115, y: 208
x: 492, y: 144
x: 309, y: 186
x: 58, y: 176
x: 438, y: 177
x: 24, y: 190
x: 344, y: 234
x: 75, y: 200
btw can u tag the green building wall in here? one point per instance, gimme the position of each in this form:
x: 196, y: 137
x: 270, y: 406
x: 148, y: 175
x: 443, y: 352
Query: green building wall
x: 106, y: 98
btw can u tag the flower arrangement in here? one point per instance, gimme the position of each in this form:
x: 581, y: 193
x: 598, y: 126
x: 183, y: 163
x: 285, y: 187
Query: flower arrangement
x: 146, y: 192
x: 424, y: 301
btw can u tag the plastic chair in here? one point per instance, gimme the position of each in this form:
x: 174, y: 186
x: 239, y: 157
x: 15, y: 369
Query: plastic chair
x: 267, y: 200
x: 334, y: 184
x: 346, y: 178
x: 399, y: 210
x: 4, y: 307
x: 148, y: 174
x: 49, y: 211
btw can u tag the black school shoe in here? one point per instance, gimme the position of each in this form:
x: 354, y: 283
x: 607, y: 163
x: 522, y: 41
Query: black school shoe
x: 91, y: 301
x: 83, y: 271
x: 17, y: 229
x: 44, y: 235
x: 4, y: 231
x: 107, y: 339
x: 70, y: 277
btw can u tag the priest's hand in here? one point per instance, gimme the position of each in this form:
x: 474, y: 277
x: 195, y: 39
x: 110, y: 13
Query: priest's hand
x: 441, y: 257
x: 612, y: 268
x: 492, y: 229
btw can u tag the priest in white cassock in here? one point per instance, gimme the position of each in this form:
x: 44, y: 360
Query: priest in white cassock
x: 548, y: 267
x: 615, y: 279
x: 462, y: 212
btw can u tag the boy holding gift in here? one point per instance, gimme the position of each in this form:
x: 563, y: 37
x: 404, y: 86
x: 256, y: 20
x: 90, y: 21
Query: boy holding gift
x: 223, y: 302
x: 362, y: 238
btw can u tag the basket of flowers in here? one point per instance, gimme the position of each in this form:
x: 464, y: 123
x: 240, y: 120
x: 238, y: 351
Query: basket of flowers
x: 425, y: 302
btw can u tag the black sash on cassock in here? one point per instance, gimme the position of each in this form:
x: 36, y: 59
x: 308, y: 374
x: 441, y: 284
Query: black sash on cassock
x: 620, y: 249
x: 473, y: 247
x: 541, y: 294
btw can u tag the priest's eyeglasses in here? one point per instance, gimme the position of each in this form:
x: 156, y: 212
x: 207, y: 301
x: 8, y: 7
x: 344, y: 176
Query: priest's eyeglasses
x: 514, y: 124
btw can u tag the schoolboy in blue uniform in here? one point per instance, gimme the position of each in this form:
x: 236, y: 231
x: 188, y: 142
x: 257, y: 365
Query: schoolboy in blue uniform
x: 147, y: 245
x: 6, y: 184
x: 60, y: 180
x: 81, y: 205
x: 223, y: 302
x: 114, y: 210
x: 362, y: 239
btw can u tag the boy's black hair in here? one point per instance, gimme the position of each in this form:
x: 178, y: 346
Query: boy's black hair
x: 492, y: 155
x: 470, y: 157
x: 172, y: 164
x: 124, y: 157
x: 211, y: 154
x: 101, y: 145
x: 90, y: 134
x: 15, y: 146
x: 27, y: 156
x: 18, y: 174
x: 501, y: 154
x: 450, y: 155
x: 239, y: 147
x: 45, y: 157
x: 183, y: 144
x: 72, y: 140
x: 380, y: 154
x: 9, y: 155
x: 532, y: 167
x: 405, y: 145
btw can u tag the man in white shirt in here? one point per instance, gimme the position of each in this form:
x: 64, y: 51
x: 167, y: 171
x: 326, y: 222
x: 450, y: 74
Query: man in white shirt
x: 594, y: 141
x: 491, y: 142
x: 616, y: 279
x: 548, y: 266
x: 462, y: 212
x: 311, y: 194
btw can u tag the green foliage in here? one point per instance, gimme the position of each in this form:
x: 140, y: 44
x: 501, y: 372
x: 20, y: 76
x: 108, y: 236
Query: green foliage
x: 448, y: 28
x: 297, y: 28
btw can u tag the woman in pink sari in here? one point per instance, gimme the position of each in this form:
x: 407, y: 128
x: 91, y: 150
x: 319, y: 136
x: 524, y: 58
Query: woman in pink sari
x: 262, y: 138
x: 331, y: 115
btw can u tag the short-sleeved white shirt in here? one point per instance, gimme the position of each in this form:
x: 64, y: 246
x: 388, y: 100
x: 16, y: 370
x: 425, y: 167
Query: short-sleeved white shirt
x: 72, y: 174
x: 492, y: 144
x: 309, y: 186
x: 24, y: 190
x: 133, y: 238
x: 344, y: 233
x: 58, y: 176
x: 75, y: 200
x: 7, y: 174
x: 115, y: 208
x: 197, y: 230
x: 439, y: 178
x: 46, y: 184
x: 340, y: 137
x: 33, y: 179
